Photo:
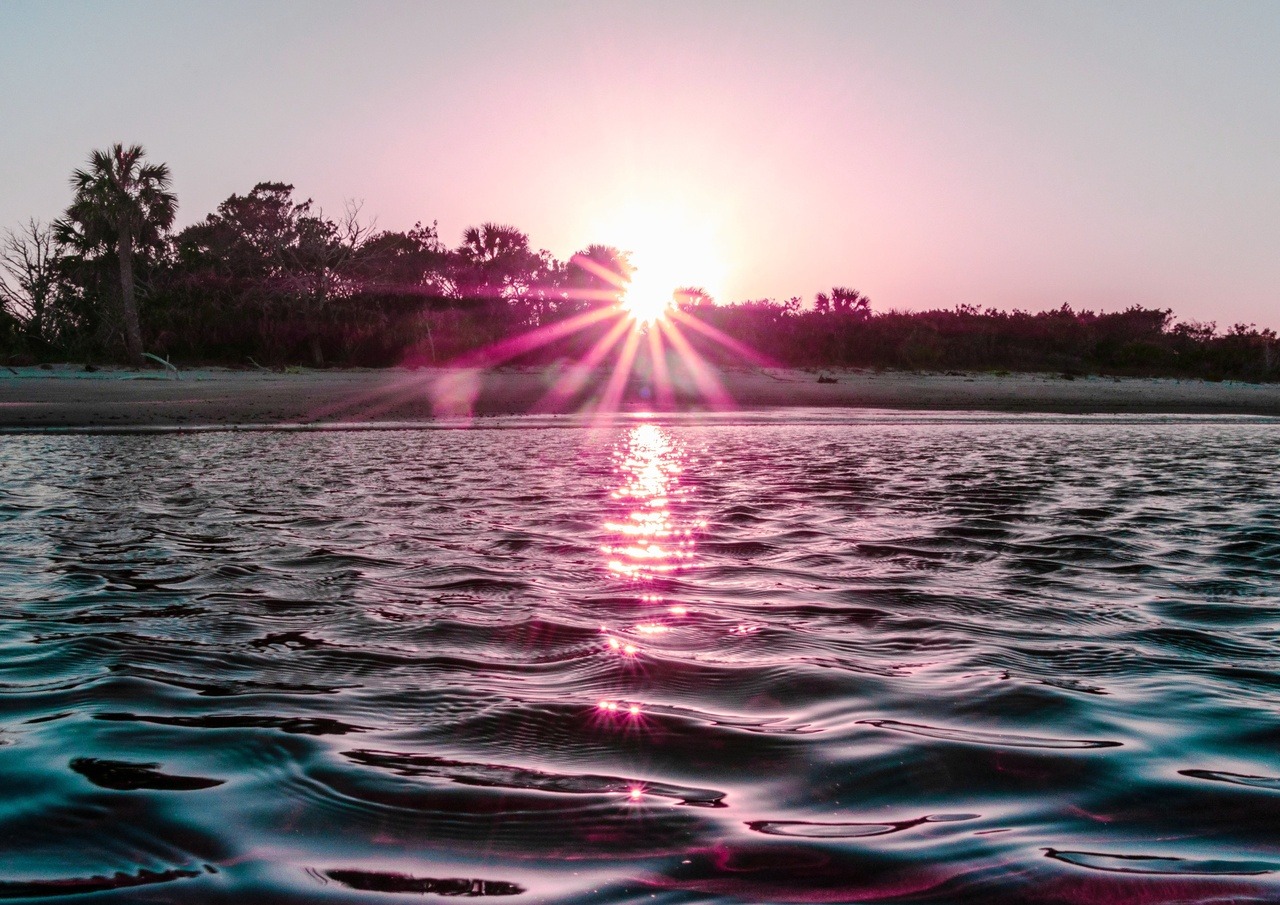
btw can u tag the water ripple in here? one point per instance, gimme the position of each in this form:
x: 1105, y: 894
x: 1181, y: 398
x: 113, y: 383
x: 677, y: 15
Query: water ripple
x: 797, y: 658
x: 999, y: 739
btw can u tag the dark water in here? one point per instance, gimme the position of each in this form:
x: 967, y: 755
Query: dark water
x: 839, y: 659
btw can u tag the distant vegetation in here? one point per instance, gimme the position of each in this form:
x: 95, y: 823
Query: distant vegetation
x: 268, y: 279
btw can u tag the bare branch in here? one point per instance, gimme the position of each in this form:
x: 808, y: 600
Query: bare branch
x: 352, y: 232
x: 27, y: 273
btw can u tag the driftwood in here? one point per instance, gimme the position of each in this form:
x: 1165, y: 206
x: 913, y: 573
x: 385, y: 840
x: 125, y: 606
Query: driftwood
x: 166, y: 363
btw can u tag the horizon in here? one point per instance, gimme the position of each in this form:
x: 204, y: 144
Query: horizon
x: 990, y: 154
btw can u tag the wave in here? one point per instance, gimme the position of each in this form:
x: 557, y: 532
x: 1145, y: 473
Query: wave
x: 726, y: 658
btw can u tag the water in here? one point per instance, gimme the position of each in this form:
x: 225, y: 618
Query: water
x: 790, y: 658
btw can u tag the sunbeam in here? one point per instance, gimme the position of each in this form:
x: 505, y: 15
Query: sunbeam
x: 710, y: 387
x: 661, y: 383
x: 643, y: 334
x: 570, y: 384
x: 612, y: 397
x: 722, y: 338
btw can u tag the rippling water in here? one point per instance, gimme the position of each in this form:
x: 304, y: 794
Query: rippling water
x: 824, y: 658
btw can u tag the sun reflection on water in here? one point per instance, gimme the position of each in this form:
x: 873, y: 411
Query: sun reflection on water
x: 649, y: 542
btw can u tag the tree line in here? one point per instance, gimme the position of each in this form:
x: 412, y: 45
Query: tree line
x: 268, y: 279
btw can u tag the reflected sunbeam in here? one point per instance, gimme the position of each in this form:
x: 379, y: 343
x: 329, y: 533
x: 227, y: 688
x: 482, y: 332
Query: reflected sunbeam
x: 648, y: 540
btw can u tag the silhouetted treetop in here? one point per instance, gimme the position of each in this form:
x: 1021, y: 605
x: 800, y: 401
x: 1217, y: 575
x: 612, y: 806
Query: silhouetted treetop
x: 121, y: 204
x: 269, y: 277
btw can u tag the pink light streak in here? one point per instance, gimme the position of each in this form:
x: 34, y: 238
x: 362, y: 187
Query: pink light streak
x: 570, y: 384
x: 710, y: 388
x: 613, y: 390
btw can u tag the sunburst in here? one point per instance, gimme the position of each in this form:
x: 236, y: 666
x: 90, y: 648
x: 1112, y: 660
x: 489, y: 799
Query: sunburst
x: 638, y: 322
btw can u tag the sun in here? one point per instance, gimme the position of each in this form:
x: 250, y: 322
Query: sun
x: 670, y: 248
x: 647, y: 300
x: 641, y: 337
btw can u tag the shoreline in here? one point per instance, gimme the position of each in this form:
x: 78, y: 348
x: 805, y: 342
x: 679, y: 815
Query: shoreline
x: 66, y: 397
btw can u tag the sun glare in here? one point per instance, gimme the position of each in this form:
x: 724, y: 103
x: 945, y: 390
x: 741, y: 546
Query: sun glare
x: 670, y: 249
x: 645, y: 302
x: 640, y: 342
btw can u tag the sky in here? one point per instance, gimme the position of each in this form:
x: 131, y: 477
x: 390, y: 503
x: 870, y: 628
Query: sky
x: 1011, y: 155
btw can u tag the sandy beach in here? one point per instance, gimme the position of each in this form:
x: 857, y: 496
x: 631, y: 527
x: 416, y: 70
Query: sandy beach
x: 68, y: 397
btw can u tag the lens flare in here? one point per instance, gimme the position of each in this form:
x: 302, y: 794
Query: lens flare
x: 671, y: 245
x: 638, y: 323
x: 645, y: 301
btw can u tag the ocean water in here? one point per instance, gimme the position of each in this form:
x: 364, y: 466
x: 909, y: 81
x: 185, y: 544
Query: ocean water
x: 800, y: 657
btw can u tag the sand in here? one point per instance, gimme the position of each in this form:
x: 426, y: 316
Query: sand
x: 68, y: 397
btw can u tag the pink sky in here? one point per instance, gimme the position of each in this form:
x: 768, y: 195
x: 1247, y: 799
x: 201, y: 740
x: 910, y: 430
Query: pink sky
x: 996, y: 154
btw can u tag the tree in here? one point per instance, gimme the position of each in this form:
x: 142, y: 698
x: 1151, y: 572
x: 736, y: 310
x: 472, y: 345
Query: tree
x: 29, y: 278
x: 686, y: 297
x: 843, y: 300
x: 598, y: 276
x: 281, y: 256
x: 249, y: 236
x: 322, y: 263
x: 120, y: 203
x: 496, y: 271
x: 496, y: 262
x: 412, y: 264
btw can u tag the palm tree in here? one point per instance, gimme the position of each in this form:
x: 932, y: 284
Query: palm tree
x: 120, y: 200
x: 490, y: 242
x: 843, y: 300
x: 598, y: 275
x: 495, y: 260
